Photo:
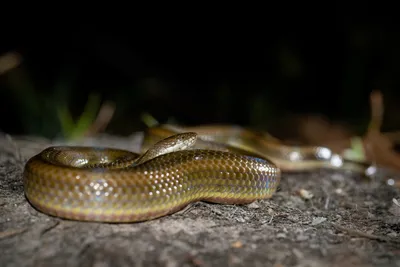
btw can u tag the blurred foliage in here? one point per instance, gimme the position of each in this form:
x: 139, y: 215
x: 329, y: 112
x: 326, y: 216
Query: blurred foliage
x: 57, y: 90
x: 71, y: 129
x: 47, y: 114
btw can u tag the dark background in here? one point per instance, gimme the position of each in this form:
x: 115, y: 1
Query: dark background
x: 252, y: 72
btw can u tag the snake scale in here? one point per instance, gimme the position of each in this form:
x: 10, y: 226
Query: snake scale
x: 177, y: 166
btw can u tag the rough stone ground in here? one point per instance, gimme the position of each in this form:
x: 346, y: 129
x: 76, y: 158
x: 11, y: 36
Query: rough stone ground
x: 348, y: 222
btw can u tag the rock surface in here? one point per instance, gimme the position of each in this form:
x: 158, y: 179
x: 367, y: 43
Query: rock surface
x: 348, y: 221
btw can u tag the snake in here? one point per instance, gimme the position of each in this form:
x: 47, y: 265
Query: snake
x: 176, y: 166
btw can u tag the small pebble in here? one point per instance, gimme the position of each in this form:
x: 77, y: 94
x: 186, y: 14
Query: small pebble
x: 392, y: 234
x: 253, y: 205
x: 305, y: 194
x: 281, y: 235
x: 240, y: 220
x: 339, y: 191
x: 318, y: 220
x: 237, y: 244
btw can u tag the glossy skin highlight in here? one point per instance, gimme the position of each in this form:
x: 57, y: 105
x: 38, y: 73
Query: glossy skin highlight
x: 258, y: 144
x: 111, y: 185
x: 177, y: 166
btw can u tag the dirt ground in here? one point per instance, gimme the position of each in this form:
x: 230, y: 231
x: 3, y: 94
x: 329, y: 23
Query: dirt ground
x: 349, y: 221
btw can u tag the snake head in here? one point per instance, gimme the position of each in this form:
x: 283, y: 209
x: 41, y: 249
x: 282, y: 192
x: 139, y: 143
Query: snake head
x: 170, y: 144
x: 177, y: 142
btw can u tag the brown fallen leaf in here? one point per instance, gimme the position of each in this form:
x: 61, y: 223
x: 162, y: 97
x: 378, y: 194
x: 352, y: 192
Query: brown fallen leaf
x: 102, y: 120
x: 378, y: 147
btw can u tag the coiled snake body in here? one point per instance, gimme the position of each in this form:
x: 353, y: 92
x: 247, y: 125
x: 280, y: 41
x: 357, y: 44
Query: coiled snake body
x: 181, y: 165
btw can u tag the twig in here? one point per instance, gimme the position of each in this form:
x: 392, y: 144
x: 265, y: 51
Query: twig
x: 185, y: 209
x: 12, y: 232
x: 270, y: 221
x: 327, y: 203
x: 377, y: 109
x: 363, y: 234
x: 104, y: 117
x: 47, y: 229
